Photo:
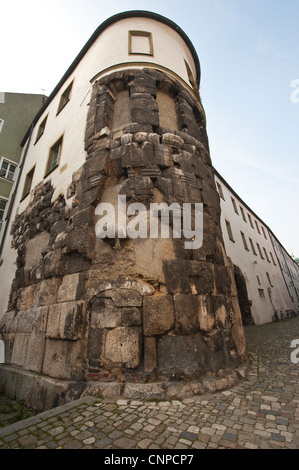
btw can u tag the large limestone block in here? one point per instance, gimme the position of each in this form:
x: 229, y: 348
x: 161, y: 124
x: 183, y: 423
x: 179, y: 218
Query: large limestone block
x: 66, y: 320
x: 123, y: 346
x: 63, y: 359
x: 158, y: 315
x: 19, y: 351
x: 68, y: 288
x: 46, y: 292
x: 186, y: 310
x: 104, y: 314
x: 181, y: 357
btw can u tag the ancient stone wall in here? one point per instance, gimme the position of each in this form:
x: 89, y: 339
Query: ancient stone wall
x: 120, y: 313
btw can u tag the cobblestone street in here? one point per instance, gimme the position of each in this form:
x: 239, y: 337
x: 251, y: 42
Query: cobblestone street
x: 261, y: 412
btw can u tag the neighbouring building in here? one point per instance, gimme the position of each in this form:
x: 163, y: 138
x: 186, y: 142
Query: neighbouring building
x: 267, y: 275
x: 143, y: 317
x: 17, y: 111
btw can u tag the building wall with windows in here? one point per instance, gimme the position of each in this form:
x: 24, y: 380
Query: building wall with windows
x: 17, y: 110
x: 53, y: 150
x: 271, y: 275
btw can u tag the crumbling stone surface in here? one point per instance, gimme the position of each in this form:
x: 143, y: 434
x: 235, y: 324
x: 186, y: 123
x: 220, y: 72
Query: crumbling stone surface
x: 136, y: 312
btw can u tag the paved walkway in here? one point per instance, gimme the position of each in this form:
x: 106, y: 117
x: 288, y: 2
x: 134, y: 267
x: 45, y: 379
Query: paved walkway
x: 261, y: 412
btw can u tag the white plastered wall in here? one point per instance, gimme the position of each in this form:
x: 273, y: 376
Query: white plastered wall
x: 253, y: 266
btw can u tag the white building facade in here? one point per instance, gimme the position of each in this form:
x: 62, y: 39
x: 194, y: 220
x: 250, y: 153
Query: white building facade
x: 272, y: 276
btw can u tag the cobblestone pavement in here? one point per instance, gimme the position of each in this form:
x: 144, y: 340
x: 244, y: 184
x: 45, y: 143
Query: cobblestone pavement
x: 261, y: 412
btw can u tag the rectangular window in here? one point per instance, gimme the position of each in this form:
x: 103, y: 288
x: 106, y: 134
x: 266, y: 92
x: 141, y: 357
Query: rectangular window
x: 269, y: 280
x: 262, y: 294
x: 244, y: 241
x: 8, y: 170
x: 229, y: 231
x: 264, y: 233
x: 28, y: 183
x: 1, y: 124
x: 258, y: 280
x: 250, y: 220
x: 243, y: 214
x: 41, y: 129
x: 3, y: 203
x: 257, y: 227
x: 273, y: 260
x: 252, y: 247
x: 141, y: 42
x: 54, y: 156
x: 65, y: 97
x: 260, y: 251
x: 235, y: 206
x: 220, y: 191
x: 266, y: 254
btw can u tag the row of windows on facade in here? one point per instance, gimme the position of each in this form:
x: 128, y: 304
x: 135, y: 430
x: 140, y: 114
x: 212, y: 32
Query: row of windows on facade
x: 245, y: 244
x: 242, y: 212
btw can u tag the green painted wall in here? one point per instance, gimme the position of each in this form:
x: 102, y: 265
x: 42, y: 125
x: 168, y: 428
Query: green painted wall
x: 18, y: 111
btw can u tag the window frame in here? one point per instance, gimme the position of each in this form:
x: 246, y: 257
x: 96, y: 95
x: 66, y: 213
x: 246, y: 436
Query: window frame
x: 27, y: 191
x: 145, y: 34
x: 245, y: 244
x: 65, y: 97
x: 41, y: 129
x: 235, y: 205
x: 229, y: 231
x: 10, y: 163
x: 220, y: 190
x: 49, y: 166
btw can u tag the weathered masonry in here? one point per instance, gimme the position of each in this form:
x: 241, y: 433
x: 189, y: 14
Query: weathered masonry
x: 140, y: 317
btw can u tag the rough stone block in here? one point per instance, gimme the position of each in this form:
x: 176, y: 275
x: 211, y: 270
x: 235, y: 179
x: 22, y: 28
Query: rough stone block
x: 206, y: 313
x: 131, y: 316
x: 66, y: 320
x: 25, y: 298
x: 104, y: 314
x: 132, y: 156
x: 172, y: 140
x: 34, y: 319
x: 35, y: 352
x: 19, y: 351
x: 186, y: 311
x: 150, y: 391
x: 150, y: 354
x: 95, y: 346
x: 34, y: 249
x: 158, y: 315
x: 182, y: 357
x: 128, y: 350
x: 176, y: 274
x: 204, y: 280
x: 223, y: 280
x: 68, y: 289
x: 46, y: 292
x: 63, y: 359
x: 126, y: 298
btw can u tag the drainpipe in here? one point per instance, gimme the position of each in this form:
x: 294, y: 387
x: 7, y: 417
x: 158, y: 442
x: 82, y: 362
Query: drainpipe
x: 13, y: 197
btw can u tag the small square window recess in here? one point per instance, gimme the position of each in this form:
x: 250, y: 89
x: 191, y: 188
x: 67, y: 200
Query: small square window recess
x: 141, y: 42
